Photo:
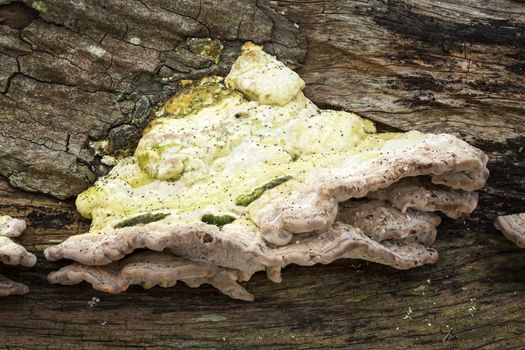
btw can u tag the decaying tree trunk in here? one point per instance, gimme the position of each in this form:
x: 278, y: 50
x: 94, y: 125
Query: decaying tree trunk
x: 75, y: 72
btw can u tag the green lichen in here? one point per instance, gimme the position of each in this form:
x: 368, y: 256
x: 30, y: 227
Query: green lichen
x: 217, y: 220
x: 141, y: 219
x: 245, y: 199
x: 40, y: 6
x: 355, y: 299
x: 100, y: 147
x: 420, y: 290
x: 210, y: 318
x: 209, y: 49
x: 193, y: 97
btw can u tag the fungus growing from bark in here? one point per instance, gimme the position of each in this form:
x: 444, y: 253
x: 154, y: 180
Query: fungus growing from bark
x: 246, y: 174
x: 12, y: 253
x: 512, y: 227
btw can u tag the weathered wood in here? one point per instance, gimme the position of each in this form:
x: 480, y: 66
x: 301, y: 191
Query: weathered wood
x: 432, y: 65
x: 437, y: 66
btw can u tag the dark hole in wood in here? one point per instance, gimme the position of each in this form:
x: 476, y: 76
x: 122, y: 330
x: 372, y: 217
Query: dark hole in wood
x: 17, y: 15
x: 50, y: 220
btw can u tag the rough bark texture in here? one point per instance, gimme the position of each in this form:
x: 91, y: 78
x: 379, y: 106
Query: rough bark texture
x: 452, y: 66
x: 81, y: 71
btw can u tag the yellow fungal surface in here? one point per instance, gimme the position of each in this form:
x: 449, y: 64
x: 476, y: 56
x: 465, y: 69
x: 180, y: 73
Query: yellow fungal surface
x: 219, y: 140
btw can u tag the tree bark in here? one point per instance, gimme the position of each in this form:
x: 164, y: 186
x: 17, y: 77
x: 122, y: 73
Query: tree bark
x: 437, y: 66
x: 74, y: 72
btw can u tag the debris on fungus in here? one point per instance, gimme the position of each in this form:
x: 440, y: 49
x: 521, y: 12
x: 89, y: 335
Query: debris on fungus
x: 245, y: 174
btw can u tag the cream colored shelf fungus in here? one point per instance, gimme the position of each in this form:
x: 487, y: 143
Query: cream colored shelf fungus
x: 246, y: 174
x: 512, y: 227
x: 12, y: 253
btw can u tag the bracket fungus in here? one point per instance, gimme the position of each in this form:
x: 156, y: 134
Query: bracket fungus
x: 12, y: 253
x: 512, y: 227
x: 245, y: 174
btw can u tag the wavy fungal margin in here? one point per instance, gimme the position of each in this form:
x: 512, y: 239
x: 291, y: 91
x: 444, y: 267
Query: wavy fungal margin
x: 246, y: 174
x: 12, y: 253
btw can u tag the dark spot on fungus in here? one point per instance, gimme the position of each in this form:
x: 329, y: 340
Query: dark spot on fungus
x: 245, y: 199
x: 141, y: 219
x: 217, y: 220
x: 207, y: 238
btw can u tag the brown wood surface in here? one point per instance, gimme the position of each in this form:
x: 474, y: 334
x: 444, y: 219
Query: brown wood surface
x: 454, y: 66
